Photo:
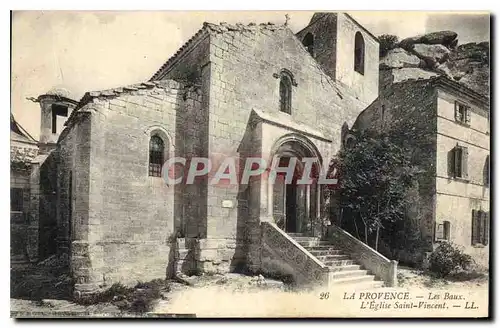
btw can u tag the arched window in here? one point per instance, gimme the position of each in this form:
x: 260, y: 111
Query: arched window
x: 286, y: 94
x: 156, y: 155
x: 359, y: 53
x: 308, y: 42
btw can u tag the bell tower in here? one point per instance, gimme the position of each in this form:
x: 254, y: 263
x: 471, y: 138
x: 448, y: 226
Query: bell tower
x: 347, y: 52
x: 56, y: 107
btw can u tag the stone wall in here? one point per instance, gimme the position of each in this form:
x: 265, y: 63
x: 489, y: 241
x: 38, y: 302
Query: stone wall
x: 123, y: 218
x: 73, y: 185
x: 47, y: 204
x: 191, y: 65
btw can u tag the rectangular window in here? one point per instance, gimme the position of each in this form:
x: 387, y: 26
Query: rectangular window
x: 480, y: 227
x: 440, y: 232
x: 16, y: 199
x: 443, y: 231
x: 462, y: 113
x: 460, y: 156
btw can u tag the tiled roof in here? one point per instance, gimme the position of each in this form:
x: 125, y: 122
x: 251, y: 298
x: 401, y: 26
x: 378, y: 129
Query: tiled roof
x: 115, y: 92
x: 19, y: 133
x: 216, y: 28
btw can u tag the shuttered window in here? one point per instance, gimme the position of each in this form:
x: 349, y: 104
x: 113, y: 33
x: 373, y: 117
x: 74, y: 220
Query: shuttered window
x: 480, y: 227
x: 460, y: 157
x: 462, y: 113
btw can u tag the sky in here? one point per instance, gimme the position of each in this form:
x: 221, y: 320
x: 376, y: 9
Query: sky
x: 86, y: 51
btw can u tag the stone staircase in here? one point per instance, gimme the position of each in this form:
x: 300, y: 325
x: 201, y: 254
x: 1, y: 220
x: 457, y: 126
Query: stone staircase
x: 343, y: 270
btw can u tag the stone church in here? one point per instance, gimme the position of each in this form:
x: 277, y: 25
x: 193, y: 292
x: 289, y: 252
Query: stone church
x: 230, y: 91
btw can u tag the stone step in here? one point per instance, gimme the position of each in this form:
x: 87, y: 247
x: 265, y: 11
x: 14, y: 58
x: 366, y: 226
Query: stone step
x: 352, y: 280
x: 351, y: 267
x: 321, y: 248
x: 348, y: 273
x: 323, y: 253
x: 308, y: 243
x: 333, y: 257
x: 338, y: 263
x: 306, y: 238
x: 297, y: 234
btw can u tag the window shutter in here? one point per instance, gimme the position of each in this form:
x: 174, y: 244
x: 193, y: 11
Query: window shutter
x: 480, y: 227
x: 456, y: 161
x: 486, y: 228
x: 474, y: 228
x: 467, y: 115
x: 465, y: 157
x: 487, y: 171
x: 457, y: 113
x: 447, y: 230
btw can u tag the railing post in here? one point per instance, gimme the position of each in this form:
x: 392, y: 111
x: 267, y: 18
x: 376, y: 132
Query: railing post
x: 394, y: 274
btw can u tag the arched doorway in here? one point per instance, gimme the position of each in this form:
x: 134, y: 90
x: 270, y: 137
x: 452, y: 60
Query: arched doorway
x: 294, y: 204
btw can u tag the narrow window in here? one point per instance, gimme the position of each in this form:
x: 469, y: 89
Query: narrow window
x: 480, y: 227
x: 359, y: 53
x: 486, y: 227
x: 156, y: 156
x: 286, y: 94
x: 462, y: 113
x: 460, y: 159
x: 308, y: 42
x: 439, y: 231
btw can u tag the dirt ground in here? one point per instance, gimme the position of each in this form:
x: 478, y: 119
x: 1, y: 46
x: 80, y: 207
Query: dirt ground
x: 236, y: 295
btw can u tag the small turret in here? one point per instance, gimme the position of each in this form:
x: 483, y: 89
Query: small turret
x: 56, y: 106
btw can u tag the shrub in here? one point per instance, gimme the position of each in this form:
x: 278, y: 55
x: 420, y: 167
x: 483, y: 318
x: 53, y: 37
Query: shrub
x: 447, y: 258
x: 387, y: 42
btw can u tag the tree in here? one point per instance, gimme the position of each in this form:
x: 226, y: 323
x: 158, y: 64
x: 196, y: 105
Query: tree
x: 375, y: 175
x: 387, y: 42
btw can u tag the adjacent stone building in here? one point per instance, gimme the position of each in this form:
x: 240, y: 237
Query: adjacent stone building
x: 23, y: 149
x: 447, y: 125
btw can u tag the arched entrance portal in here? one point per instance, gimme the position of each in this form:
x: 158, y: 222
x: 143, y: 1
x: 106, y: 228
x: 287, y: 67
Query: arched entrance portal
x: 296, y: 206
